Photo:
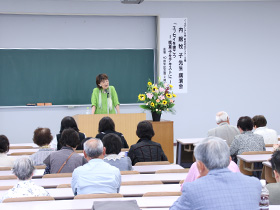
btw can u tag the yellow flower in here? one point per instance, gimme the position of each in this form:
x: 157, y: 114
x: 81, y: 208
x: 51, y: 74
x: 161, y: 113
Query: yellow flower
x: 141, y: 97
x: 164, y: 102
x: 154, y: 89
x: 174, y: 95
x: 149, y: 83
x: 152, y: 104
x: 168, y: 95
x: 171, y: 86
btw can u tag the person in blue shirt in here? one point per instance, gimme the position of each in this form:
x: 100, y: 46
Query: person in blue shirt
x: 96, y: 176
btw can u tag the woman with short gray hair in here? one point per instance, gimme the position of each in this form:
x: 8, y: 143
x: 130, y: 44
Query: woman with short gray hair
x: 23, y: 169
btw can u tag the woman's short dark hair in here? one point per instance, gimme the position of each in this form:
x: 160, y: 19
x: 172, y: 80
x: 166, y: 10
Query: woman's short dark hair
x: 106, y: 124
x: 99, y: 79
x: 145, y: 130
x: 245, y: 123
x: 259, y: 121
x: 275, y: 161
x: 42, y: 136
x: 68, y: 122
x: 4, y: 144
x: 113, y: 143
x: 70, y: 137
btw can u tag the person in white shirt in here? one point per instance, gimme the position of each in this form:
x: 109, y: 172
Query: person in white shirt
x: 96, y: 176
x: 269, y: 135
x: 23, y: 169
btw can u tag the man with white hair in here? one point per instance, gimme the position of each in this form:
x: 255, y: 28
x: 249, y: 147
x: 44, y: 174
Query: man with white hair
x: 224, y: 129
x: 96, y: 176
x: 218, y: 187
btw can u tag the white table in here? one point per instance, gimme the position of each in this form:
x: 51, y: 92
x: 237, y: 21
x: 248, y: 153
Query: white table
x: 189, y: 142
x: 22, y: 150
x: 143, y: 202
x: 149, y: 169
x: 254, y: 158
x: 126, y: 190
x: 24, y: 144
x: 38, y: 173
x: 53, y: 182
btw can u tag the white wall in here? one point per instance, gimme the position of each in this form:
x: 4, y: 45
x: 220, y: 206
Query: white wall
x: 233, y: 55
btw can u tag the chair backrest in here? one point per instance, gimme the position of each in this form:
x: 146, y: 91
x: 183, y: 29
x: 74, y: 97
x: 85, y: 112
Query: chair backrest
x: 152, y: 163
x: 79, y: 151
x: 21, y: 153
x: 141, y: 182
x: 186, y: 170
x: 149, y: 194
x: 129, y: 172
x: 24, y: 199
x: 257, y: 152
x: 125, y: 149
x: 6, y: 187
x: 64, y: 186
x: 268, y: 145
x: 21, y: 147
x: 8, y: 177
x: 5, y: 168
x: 106, y: 195
x: 57, y: 175
x: 40, y: 167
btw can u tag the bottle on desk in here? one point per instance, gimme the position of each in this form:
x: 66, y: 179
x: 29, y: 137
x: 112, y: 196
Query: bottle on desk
x: 264, y: 200
x: 88, y: 111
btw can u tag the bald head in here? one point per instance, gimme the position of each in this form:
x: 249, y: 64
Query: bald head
x: 222, y: 117
x: 93, y: 148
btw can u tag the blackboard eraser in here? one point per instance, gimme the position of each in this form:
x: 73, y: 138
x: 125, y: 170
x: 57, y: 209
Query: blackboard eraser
x: 30, y: 104
x: 48, y: 104
x: 40, y: 104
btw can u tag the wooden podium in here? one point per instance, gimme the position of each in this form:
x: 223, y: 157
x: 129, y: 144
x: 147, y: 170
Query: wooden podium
x: 124, y: 123
x: 164, y: 136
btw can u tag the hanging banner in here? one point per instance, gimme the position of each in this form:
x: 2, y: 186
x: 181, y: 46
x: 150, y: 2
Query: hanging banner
x: 173, y: 53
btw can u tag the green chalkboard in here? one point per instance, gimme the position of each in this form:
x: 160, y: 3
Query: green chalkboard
x: 67, y: 76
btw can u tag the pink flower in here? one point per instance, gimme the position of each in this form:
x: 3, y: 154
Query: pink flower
x: 161, y: 97
x: 149, y: 95
x: 171, y: 101
x: 157, y: 100
x: 161, y: 89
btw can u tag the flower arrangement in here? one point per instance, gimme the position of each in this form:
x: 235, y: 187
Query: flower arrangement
x: 158, y: 97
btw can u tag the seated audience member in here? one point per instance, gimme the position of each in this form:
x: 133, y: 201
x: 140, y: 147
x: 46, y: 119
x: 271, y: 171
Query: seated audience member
x: 247, y: 140
x: 274, y: 188
x: 193, y: 173
x: 67, y: 122
x: 5, y: 161
x: 224, y: 129
x: 269, y: 135
x: 23, y: 169
x: 145, y: 150
x: 96, y: 176
x: 65, y: 160
x: 42, y: 137
x: 107, y: 125
x: 113, y: 144
x: 218, y: 187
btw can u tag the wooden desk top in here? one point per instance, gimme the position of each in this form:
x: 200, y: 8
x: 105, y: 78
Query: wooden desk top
x: 22, y: 150
x: 53, y: 182
x: 189, y: 141
x: 254, y: 158
x: 125, y: 190
x: 143, y: 202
